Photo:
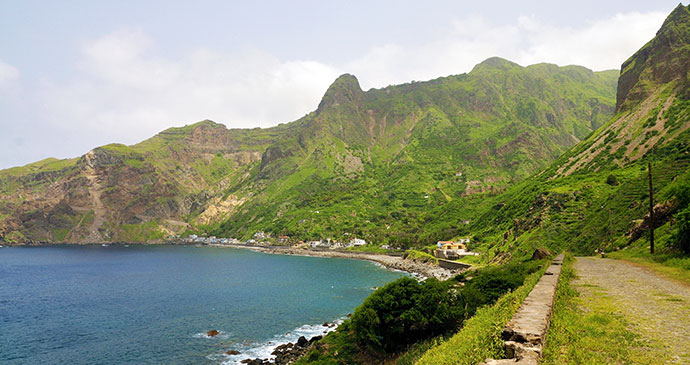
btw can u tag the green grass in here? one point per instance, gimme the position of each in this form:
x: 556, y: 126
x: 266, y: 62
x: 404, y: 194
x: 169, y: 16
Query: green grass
x: 590, y: 329
x: 415, y: 255
x: 480, y: 337
x: 142, y: 232
x: 60, y: 234
x: 670, y: 265
x: 368, y: 249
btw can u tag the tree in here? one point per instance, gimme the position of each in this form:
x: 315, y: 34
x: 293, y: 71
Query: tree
x: 405, y: 311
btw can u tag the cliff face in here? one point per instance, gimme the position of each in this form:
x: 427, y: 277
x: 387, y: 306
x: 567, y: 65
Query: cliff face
x: 360, y: 157
x: 652, y: 107
x: 120, y: 193
x: 662, y: 60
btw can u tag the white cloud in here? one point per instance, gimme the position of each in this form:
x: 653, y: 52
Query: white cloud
x: 602, y: 44
x: 8, y: 73
x: 598, y: 45
x: 125, y: 90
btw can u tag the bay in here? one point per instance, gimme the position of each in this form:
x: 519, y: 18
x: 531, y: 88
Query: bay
x: 153, y: 304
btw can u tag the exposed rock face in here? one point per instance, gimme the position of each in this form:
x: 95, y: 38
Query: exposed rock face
x: 345, y: 90
x: 240, y: 180
x: 660, y: 61
x: 662, y: 212
x: 212, y: 333
x: 129, y: 193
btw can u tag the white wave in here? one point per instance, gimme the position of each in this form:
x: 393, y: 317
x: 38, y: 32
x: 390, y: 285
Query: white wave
x: 221, y: 335
x: 263, y: 350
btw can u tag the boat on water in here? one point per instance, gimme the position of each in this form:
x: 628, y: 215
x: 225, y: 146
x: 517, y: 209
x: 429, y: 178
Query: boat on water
x: 104, y: 245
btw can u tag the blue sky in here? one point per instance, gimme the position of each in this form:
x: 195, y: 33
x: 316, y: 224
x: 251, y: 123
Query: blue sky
x: 78, y: 74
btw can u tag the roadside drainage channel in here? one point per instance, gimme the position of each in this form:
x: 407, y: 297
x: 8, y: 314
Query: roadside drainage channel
x: 524, y: 335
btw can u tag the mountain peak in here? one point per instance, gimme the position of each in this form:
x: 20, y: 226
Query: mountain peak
x: 345, y: 89
x: 680, y: 13
x: 662, y: 60
x: 495, y: 63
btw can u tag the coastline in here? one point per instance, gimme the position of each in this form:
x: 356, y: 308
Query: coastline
x: 418, y: 269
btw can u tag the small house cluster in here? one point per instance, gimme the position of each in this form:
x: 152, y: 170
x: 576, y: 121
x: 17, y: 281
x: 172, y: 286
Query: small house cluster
x: 333, y: 245
x: 453, y: 250
x: 192, y: 238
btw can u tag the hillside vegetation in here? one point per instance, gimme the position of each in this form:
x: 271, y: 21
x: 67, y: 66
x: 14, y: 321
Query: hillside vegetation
x: 380, y: 165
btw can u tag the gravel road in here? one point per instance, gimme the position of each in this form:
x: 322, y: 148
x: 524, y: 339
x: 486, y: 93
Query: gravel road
x: 658, y: 308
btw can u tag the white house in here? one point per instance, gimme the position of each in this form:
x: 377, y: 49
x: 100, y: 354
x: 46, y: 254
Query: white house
x: 358, y: 242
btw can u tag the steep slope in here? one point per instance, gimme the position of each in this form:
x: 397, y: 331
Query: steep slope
x: 136, y: 193
x: 652, y: 102
x: 373, y: 164
x: 596, y: 196
x: 363, y: 163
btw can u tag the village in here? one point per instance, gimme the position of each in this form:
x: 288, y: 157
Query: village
x: 445, y: 250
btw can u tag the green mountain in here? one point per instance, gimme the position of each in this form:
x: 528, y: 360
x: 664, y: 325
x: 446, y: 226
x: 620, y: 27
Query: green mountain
x: 381, y: 164
x: 596, y: 195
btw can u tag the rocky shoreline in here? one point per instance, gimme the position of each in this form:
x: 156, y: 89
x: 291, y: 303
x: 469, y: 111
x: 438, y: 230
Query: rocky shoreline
x: 286, y: 353
x: 419, y: 269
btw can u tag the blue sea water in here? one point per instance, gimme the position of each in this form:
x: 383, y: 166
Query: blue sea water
x: 153, y: 304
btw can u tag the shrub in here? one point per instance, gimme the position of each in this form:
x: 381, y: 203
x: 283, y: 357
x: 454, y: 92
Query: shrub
x: 612, y: 180
x: 405, y: 311
x: 683, y: 230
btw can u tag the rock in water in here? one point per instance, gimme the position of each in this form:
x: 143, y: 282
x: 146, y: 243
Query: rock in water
x: 212, y: 333
x: 232, y: 352
x: 302, y: 341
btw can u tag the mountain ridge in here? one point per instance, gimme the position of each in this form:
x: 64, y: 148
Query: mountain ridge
x: 196, y: 177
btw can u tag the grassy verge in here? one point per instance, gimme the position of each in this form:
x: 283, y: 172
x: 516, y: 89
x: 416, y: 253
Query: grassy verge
x: 420, y: 256
x: 480, y: 337
x: 670, y: 265
x: 368, y: 249
x: 588, y: 329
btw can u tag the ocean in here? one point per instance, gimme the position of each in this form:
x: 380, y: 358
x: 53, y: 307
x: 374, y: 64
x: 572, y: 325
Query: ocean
x: 153, y: 304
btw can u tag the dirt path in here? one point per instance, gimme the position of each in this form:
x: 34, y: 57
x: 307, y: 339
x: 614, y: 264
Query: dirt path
x: 657, y: 308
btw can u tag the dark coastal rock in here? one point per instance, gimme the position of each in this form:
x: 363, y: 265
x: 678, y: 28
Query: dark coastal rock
x: 232, y: 352
x: 289, y: 352
x: 212, y: 333
x: 325, y: 324
x: 256, y: 361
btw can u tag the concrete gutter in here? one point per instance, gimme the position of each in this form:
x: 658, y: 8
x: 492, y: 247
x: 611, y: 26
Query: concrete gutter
x: 524, y: 334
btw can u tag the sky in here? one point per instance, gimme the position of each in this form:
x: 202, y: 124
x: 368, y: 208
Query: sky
x: 75, y: 75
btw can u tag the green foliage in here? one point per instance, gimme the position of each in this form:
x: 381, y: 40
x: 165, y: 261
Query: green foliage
x: 405, y: 318
x: 420, y: 256
x: 612, y: 180
x: 480, y: 336
x: 493, y: 281
x: 405, y: 311
x: 683, y: 230
x: 143, y: 232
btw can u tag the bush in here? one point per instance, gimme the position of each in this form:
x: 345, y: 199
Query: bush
x: 683, y: 230
x: 405, y: 311
x: 612, y: 180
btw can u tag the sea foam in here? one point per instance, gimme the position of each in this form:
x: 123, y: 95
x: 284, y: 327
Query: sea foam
x: 263, y: 350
